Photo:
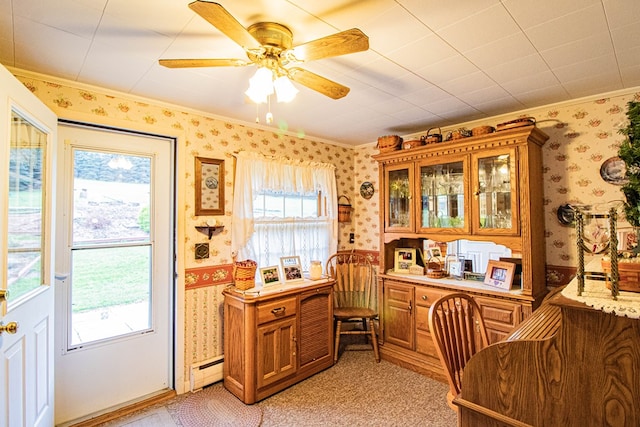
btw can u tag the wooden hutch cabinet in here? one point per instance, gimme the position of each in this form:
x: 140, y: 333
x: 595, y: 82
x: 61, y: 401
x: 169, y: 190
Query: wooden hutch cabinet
x: 276, y: 338
x: 485, y: 188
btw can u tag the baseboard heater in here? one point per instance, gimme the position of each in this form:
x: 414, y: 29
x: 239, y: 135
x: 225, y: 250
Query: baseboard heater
x: 206, y: 372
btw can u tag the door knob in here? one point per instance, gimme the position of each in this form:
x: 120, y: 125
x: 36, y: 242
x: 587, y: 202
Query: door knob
x: 4, y: 295
x: 11, y: 327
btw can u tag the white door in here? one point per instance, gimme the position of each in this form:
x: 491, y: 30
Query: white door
x: 27, y: 150
x: 114, y: 269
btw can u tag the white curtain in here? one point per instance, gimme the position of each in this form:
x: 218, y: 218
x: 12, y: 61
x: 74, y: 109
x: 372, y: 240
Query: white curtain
x: 255, y: 173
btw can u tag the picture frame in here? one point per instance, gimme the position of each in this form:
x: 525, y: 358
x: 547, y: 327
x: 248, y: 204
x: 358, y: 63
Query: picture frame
x: 434, y: 252
x: 291, y: 268
x: 404, y: 258
x: 209, y: 186
x: 500, y: 274
x: 270, y: 275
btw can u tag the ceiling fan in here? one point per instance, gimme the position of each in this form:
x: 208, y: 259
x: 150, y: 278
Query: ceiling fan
x: 269, y: 45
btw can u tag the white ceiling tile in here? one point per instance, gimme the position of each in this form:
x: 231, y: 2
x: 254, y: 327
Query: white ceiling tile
x: 621, y: 13
x: 626, y: 37
x: 468, y: 83
x: 603, y: 81
x: 486, y: 26
x: 516, y: 69
x: 394, y: 29
x: 424, y: 92
x: 605, y: 64
x: 574, y: 52
x: 6, y: 23
x: 63, y: 56
x: 431, y: 47
x: 166, y: 17
x: 541, y: 96
x: 529, y: 14
x: 495, y: 106
x: 531, y: 82
x: 130, y: 38
x: 500, y: 51
x: 437, y: 14
x: 63, y: 14
x: 447, y: 70
x: 343, y: 14
x: 441, y: 106
x: 563, y: 29
x: 629, y: 58
x: 474, y: 97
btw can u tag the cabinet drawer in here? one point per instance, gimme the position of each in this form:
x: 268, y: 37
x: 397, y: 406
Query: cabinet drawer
x: 424, y: 298
x: 272, y: 310
x: 501, y: 315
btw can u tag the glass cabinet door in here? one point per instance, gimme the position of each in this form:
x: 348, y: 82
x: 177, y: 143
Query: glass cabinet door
x: 496, y: 209
x: 442, y: 196
x: 399, y: 212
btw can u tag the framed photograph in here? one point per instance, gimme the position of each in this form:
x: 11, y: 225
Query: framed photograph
x: 291, y: 268
x: 404, y: 259
x: 209, y: 180
x: 499, y: 274
x: 434, y: 253
x: 270, y: 275
x: 456, y: 269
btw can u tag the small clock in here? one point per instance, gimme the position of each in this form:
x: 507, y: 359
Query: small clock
x: 366, y: 190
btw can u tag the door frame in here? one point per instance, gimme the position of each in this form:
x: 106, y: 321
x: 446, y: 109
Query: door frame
x: 180, y: 381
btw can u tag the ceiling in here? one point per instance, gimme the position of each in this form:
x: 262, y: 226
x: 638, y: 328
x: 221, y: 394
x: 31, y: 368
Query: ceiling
x: 430, y: 62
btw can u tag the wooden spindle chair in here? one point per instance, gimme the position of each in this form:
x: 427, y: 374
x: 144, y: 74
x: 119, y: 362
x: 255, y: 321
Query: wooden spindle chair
x: 458, y: 332
x: 354, y: 297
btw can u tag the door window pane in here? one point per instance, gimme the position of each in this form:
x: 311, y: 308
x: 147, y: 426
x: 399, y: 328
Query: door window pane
x: 25, y: 239
x: 111, y: 246
x: 111, y: 292
x: 111, y: 198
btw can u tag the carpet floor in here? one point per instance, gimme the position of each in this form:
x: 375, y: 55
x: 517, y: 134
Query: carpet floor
x: 356, y: 391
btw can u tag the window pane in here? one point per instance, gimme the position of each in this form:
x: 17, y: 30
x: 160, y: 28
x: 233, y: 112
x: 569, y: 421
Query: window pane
x: 105, y: 302
x: 111, y: 198
x: 310, y: 206
x: 26, y: 199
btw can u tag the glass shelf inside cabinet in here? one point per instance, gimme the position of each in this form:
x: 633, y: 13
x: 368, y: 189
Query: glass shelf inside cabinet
x: 399, y: 198
x: 442, y: 195
x: 494, y: 180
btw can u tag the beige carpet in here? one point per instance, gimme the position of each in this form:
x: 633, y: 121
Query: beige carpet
x: 357, y: 391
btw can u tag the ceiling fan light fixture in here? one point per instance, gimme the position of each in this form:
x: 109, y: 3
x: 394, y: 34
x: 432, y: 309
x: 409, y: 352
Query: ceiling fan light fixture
x: 260, y: 85
x: 285, y: 90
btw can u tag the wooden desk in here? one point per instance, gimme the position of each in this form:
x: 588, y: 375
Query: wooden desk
x: 567, y: 365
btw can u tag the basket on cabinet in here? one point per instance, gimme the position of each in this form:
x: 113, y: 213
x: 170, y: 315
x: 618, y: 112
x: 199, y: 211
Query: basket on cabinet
x: 244, y: 274
x: 389, y: 143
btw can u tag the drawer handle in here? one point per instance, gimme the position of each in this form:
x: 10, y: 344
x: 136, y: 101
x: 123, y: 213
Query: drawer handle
x: 424, y: 297
x: 278, y: 311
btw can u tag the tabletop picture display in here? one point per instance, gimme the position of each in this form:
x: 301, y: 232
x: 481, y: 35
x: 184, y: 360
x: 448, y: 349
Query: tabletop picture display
x: 499, y: 274
x: 291, y: 268
x: 270, y: 275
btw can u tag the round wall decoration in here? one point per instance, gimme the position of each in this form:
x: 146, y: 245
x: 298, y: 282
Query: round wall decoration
x: 613, y: 171
x: 366, y: 190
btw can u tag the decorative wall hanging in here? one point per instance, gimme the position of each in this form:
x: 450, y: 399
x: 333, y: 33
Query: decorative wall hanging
x: 367, y: 190
x: 209, y: 179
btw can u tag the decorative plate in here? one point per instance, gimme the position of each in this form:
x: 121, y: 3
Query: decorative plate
x: 613, y: 171
x: 566, y: 214
x: 366, y: 190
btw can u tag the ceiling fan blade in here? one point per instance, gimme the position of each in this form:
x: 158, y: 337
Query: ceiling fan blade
x: 189, y: 63
x: 349, y: 41
x: 218, y: 16
x: 318, y: 83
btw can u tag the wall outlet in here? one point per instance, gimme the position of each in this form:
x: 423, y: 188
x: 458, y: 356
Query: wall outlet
x: 352, y: 238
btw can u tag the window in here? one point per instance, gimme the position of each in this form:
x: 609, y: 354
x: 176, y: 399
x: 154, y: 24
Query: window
x: 283, y: 208
x: 289, y: 224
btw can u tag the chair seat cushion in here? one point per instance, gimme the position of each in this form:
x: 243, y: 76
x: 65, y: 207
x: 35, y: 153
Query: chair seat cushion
x: 353, y: 312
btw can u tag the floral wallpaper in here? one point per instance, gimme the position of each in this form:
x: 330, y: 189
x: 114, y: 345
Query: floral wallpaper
x: 208, y: 137
x: 583, y: 134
